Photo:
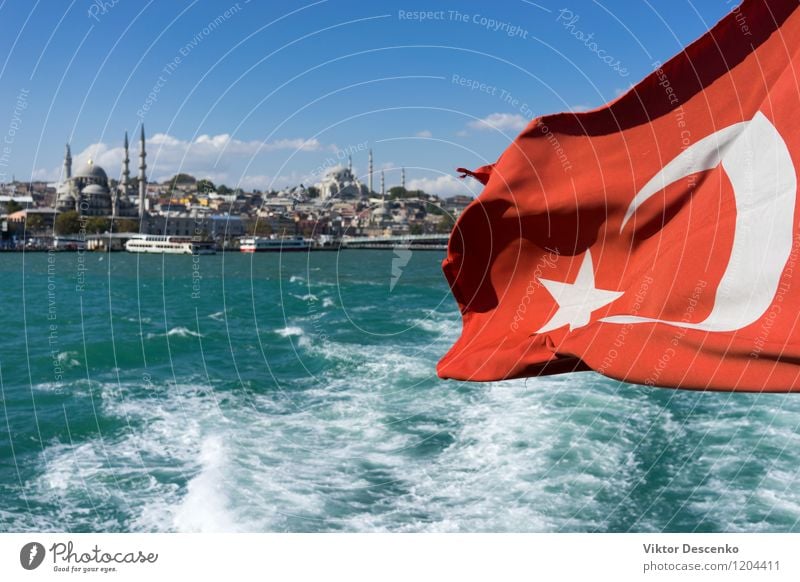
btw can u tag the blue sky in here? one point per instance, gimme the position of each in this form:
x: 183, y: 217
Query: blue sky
x: 266, y: 94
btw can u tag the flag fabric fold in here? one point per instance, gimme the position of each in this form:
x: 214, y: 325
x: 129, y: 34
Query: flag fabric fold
x: 654, y: 239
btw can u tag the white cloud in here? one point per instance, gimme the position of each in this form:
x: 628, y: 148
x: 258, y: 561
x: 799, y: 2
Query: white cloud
x: 424, y: 133
x: 211, y: 150
x: 46, y: 174
x: 500, y: 121
x: 445, y: 185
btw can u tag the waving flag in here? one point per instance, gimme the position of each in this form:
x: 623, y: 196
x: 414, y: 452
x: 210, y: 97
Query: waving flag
x: 655, y: 239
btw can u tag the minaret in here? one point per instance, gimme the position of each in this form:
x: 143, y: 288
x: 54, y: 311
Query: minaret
x: 350, y: 163
x: 142, y: 175
x: 67, y: 164
x: 126, y: 170
x: 403, y: 178
x: 370, y: 172
x: 125, y: 183
x: 383, y: 189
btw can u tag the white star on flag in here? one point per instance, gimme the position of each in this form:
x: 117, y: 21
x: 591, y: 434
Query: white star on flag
x: 577, y: 301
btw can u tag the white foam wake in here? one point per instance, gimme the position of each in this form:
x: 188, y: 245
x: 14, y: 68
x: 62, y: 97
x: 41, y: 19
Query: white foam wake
x: 289, y: 331
x: 204, y: 508
x: 179, y: 331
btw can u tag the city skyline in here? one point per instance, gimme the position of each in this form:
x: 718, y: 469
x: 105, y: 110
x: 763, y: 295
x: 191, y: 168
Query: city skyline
x: 209, y: 84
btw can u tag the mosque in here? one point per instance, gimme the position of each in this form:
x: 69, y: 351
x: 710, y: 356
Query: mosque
x: 90, y: 193
x: 343, y: 184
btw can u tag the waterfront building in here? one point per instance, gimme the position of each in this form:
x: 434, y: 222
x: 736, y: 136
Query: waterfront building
x: 193, y: 224
x: 47, y: 216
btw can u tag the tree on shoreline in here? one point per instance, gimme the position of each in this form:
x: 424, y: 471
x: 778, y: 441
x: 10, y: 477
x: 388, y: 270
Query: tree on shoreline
x: 67, y: 223
x: 13, y: 206
x: 33, y: 222
x: 126, y: 225
x: 97, y: 225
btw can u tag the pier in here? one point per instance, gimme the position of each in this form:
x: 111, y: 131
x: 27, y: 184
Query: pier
x: 432, y: 242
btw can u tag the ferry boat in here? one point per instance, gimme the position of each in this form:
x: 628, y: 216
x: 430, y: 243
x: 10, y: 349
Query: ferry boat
x: 260, y: 244
x: 171, y: 245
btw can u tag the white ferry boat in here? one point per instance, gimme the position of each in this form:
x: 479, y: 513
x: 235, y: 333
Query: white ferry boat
x: 260, y: 244
x: 171, y: 245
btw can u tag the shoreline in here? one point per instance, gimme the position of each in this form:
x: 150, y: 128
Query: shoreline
x: 321, y: 250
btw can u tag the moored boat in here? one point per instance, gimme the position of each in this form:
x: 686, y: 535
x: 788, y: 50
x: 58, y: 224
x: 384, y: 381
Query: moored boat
x: 259, y: 244
x: 170, y: 245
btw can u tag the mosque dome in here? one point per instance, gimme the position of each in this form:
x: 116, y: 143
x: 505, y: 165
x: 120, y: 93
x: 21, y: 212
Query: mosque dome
x: 94, y: 189
x: 91, y: 170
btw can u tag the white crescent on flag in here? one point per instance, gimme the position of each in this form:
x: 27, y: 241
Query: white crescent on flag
x: 757, y: 161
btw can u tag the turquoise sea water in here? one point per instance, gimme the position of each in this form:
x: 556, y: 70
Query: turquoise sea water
x: 298, y: 393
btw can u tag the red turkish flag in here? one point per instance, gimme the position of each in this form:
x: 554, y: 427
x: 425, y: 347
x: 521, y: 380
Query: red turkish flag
x: 655, y: 239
